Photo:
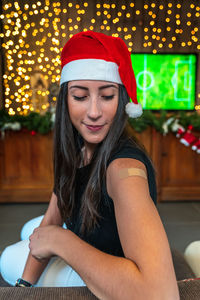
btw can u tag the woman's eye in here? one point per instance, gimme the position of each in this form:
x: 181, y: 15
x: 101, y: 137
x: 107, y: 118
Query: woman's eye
x: 79, y: 98
x: 84, y: 97
x: 108, y: 97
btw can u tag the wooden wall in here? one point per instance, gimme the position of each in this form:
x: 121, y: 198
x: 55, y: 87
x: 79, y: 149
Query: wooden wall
x: 26, y: 167
x: 176, y: 166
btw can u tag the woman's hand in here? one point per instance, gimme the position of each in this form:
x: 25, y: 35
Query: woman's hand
x: 43, y: 240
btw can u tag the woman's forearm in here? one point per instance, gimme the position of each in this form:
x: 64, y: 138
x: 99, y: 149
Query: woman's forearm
x: 33, y: 269
x: 107, y: 276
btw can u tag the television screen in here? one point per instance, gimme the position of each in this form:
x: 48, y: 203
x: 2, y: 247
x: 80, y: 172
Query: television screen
x: 165, y: 81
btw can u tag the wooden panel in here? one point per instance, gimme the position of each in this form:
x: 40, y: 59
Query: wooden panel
x: 180, y: 178
x: 180, y: 193
x: 26, y: 166
x: 26, y: 194
x: 176, y: 166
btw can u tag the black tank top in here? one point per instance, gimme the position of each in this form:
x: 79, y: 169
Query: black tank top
x: 105, y: 236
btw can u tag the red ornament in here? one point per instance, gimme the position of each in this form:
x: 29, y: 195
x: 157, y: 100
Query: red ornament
x: 198, y: 149
x: 33, y: 132
x: 180, y: 131
x: 196, y: 145
x: 188, y: 138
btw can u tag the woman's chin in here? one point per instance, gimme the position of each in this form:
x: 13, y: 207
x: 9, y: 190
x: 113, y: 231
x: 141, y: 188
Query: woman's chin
x: 93, y: 139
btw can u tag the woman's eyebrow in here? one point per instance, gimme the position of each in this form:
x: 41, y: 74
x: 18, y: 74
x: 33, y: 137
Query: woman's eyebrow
x: 100, y: 88
x: 107, y: 86
x: 79, y: 87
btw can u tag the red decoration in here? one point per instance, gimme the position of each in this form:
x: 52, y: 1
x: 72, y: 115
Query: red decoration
x: 196, y: 145
x: 33, y: 132
x: 188, y: 137
x: 180, y: 131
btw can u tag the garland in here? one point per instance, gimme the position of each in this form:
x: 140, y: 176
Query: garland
x: 33, y: 122
x: 186, y: 126
x: 164, y: 122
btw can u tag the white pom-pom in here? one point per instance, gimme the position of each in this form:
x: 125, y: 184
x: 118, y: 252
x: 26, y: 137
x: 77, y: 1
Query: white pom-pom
x: 133, y: 110
x: 184, y: 142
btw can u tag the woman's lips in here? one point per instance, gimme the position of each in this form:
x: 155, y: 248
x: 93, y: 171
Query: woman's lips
x: 94, y: 128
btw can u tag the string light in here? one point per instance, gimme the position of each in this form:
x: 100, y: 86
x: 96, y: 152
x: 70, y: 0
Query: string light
x: 25, y: 41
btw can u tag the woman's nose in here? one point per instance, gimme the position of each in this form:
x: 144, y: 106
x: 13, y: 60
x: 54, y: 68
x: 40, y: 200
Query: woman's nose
x: 94, y: 108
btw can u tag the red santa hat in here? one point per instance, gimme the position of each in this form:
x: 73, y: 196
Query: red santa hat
x: 92, y: 55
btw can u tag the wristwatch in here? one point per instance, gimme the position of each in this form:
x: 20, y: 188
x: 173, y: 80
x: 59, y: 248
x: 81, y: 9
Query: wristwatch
x: 23, y: 283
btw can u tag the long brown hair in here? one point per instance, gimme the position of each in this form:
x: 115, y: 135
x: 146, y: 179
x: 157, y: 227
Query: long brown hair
x: 68, y: 155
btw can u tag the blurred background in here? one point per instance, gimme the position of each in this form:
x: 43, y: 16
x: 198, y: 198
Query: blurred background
x: 164, y: 41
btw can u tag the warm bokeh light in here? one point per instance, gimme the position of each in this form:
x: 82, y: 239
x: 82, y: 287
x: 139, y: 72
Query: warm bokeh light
x: 34, y: 34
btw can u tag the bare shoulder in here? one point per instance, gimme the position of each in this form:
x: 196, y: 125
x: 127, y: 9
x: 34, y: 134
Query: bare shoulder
x: 116, y: 166
x: 125, y: 163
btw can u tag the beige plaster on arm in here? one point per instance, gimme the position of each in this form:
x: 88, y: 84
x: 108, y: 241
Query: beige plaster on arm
x: 126, y: 172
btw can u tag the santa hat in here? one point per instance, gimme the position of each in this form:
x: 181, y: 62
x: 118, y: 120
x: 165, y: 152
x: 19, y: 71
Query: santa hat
x: 92, y: 55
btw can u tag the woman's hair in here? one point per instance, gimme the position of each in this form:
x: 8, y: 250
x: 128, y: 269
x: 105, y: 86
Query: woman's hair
x: 68, y: 155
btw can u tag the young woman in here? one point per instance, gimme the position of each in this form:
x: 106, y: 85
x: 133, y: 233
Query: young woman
x: 104, y: 188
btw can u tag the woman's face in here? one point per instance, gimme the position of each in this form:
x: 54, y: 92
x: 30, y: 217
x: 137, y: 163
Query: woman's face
x: 94, y: 103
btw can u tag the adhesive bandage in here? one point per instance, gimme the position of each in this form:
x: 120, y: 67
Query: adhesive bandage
x: 123, y: 173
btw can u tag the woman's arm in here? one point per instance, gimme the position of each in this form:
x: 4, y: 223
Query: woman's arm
x: 147, y: 270
x: 34, y: 268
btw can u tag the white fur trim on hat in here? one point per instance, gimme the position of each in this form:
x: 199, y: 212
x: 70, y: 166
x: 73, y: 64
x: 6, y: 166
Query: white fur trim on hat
x: 90, y: 69
x: 133, y: 110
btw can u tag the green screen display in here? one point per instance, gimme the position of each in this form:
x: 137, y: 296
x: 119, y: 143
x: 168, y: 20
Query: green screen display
x: 165, y: 81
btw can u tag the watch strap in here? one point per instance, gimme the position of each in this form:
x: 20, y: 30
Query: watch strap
x: 23, y: 283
